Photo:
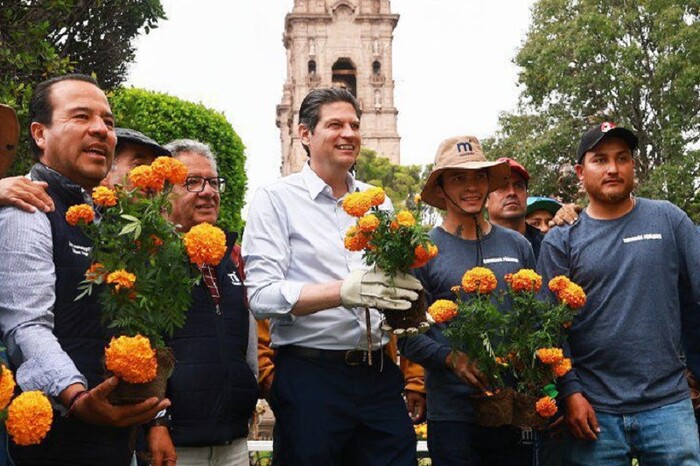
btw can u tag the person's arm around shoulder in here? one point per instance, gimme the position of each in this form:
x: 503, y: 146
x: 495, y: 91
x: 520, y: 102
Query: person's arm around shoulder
x: 566, y: 215
x: 23, y: 193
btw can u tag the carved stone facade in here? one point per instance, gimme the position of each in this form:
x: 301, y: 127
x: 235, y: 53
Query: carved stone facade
x: 344, y: 43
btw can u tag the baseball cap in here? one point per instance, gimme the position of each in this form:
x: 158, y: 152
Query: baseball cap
x: 535, y: 203
x: 134, y: 137
x: 462, y: 152
x: 516, y: 167
x: 599, y: 132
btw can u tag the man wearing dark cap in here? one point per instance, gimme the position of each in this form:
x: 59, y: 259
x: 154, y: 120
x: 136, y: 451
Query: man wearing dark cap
x: 540, y: 211
x: 626, y: 394
x: 133, y: 149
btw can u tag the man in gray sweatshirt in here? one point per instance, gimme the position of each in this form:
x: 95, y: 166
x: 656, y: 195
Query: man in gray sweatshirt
x: 626, y: 395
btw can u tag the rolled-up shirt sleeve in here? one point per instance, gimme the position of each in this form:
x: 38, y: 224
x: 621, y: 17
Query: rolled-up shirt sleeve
x: 267, y: 255
x: 27, y: 297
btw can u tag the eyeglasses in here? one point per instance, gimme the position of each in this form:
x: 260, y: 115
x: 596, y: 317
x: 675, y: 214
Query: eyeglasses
x: 196, y: 184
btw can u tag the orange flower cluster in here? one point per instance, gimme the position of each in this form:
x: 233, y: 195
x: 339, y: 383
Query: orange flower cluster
x: 568, y: 292
x: 405, y: 219
x: 546, y: 406
x: 368, y: 223
x: 95, y: 272
x: 524, y: 280
x: 205, y: 244
x: 356, y: 240
x: 144, y: 178
x: 376, y: 196
x: 561, y: 368
x: 442, y: 311
x: 479, y: 280
x: 422, y: 256
x: 29, y: 418
x: 550, y: 355
x: 170, y: 170
x: 357, y: 204
x: 121, y: 279
x: 80, y: 213
x: 7, y: 387
x: 104, y: 196
x: 131, y: 359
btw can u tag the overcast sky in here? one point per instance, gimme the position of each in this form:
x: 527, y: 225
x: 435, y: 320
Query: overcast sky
x: 452, y: 68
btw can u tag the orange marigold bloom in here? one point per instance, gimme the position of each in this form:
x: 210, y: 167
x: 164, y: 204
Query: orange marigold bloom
x: 546, y: 406
x: 376, y: 195
x: 442, y: 311
x: 7, y: 387
x: 121, y: 279
x: 80, y: 213
x: 205, y: 244
x: 550, y: 355
x: 405, y: 218
x: 355, y: 240
x: 573, y: 296
x: 95, y: 272
x: 143, y: 177
x: 558, y: 283
x: 562, y: 367
x: 368, y: 223
x: 479, y: 280
x: 169, y: 169
x: 156, y: 240
x: 29, y: 418
x: 502, y: 361
x: 132, y: 359
x: 104, y: 196
x: 524, y: 280
x: 357, y: 204
x: 421, y: 256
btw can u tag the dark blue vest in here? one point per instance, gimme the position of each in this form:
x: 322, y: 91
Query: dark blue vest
x: 212, y: 389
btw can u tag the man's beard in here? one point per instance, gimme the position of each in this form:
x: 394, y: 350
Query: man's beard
x: 610, y: 197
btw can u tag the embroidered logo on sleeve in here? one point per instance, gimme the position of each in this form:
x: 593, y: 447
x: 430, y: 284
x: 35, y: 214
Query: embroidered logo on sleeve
x: 79, y: 250
x: 235, y: 280
x: 496, y: 260
x: 644, y: 237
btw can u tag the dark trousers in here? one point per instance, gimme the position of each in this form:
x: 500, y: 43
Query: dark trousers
x: 329, y: 414
x: 452, y: 443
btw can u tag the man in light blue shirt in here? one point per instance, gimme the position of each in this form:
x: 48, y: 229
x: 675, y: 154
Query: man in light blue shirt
x: 331, y: 406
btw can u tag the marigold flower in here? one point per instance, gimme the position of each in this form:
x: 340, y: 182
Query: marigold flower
x: 546, y: 406
x: 205, y: 244
x: 80, y: 213
x: 355, y: 240
x: 132, y: 359
x: 121, y: 279
x: 376, y: 195
x: 357, y: 204
x: 143, y: 177
x: 502, y: 361
x: 573, y: 296
x: 550, y: 355
x: 104, y: 196
x: 558, y: 283
x: 562, y: 367
x: 7, y: 387
x: 29, y: 418
x: 368, y: 223
x: 423, y: 256
x: 394, y: 225
x: 405, y: 218
x: 524, y: 280
x: 442, y: 311
x: 95, y: 272
x: 417, y: 199
x: 479, y: 280
x: 170, y: 169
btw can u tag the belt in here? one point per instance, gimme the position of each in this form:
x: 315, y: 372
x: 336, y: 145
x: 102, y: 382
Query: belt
x: 349, y: 357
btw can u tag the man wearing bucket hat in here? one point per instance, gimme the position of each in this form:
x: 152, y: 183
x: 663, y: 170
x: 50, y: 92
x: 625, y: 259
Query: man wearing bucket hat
x: 459, y: 184
x: 626, y: 394
x: 540, y: 211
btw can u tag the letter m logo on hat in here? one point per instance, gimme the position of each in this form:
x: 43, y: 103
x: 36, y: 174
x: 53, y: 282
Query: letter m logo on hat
x: 464, y: 147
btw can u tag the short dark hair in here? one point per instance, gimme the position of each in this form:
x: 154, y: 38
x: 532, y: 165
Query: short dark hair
x: 40, y: 108
x: 314, y: 100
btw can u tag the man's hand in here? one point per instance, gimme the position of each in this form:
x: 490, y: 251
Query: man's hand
x: 566, y: 215
x: 25, y: 194
x: 377, y: 289
x: 160, y: 446
x: 466, y: 369
x: 415, y: 402
x: 266, y: 387
x: 94, y: 408
x: 580, y: 418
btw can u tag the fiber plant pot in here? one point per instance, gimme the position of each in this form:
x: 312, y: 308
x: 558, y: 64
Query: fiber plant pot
x: 409, y: 322
x: 495, y: 410
x: 524, y: 413
x: 127, y: 393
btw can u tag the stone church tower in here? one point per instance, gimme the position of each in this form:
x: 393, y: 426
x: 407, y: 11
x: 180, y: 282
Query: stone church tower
x: 340, y: 43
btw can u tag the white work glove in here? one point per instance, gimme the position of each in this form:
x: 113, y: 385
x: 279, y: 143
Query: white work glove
x: 376, y: 289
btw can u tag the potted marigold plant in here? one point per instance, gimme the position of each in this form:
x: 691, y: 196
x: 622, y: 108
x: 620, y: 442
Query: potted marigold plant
x: 395, y: 243
x: 519, y: 352
x: 143, y: 271
x: 28, y: 416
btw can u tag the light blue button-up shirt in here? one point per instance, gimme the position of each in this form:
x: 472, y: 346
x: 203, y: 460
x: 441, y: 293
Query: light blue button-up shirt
x: 293, y: 237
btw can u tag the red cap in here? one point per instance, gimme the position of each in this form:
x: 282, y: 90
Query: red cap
x: 516, y: 167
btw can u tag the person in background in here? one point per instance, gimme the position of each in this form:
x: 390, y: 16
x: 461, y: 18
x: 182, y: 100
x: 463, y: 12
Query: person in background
x: 541, y: 211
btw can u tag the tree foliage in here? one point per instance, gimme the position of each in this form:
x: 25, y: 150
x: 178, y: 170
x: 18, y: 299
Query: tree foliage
x: 634, y: 62
x: 165, y: 118
x: 40, y: 39
x: 400, y: 182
